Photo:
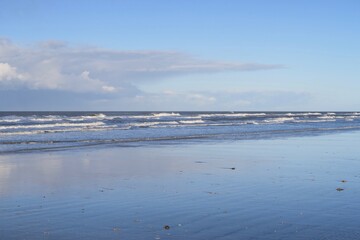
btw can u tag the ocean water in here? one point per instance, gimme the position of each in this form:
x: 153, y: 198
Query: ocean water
x: 29, y: 131
x: 285, y: 188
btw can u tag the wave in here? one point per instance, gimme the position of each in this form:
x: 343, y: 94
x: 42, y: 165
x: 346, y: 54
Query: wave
x: 114, y: 141
x: 232, y: 115
x: 326, y: 117
x: 99, y: 116
x: 314, y: 121
x: 148, y: 124
x: 126, y: 117
x: 61, y: 126
x: 93, y: 124
x: 64, y: 130
x: 39, y: 145
x: 166, y: 114
x: 49, y: 118
x: 191, y: 121
x: 352, y: 117
x: 304, y: 114
x: 279, y: 120
x: 9, y: 120
x: 150, y: 116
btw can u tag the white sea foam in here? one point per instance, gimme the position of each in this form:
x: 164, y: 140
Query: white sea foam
x: 303, y: 114
x: 191, y: 121
x: 141, y: 117
x: 314, y: 121
x: 279, y: 120
x: 326, y: 117
x: 148, y: 124
x: 9, y: 120
x: 46, y: 119
x: 352, y: 117
x: 191, y: 117
x: 45, y: 131
x: 52, y: 118
x: 232, y: 115
x: 313, y: 114
x: 152, y: 116
x: 308, y: 114
x: 166, y: 114
x: 87, y: 125
x: 252, y: 122
x: 43, y: 120
x: 76, y: 129
x: 99, y: 116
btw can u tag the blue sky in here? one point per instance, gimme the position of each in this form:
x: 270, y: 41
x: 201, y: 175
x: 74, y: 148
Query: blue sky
x: 180, y: 55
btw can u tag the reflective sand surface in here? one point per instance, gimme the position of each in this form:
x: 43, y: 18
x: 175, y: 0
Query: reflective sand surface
x: 296, y: 188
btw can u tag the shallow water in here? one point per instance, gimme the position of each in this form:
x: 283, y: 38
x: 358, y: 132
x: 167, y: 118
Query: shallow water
x: 251, y: 189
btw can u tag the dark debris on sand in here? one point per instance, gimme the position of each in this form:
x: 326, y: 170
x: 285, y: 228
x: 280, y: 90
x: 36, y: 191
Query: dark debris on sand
x: 200, y: 162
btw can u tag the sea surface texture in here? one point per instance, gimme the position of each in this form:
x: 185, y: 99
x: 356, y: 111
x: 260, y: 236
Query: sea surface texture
x: 26, y: 131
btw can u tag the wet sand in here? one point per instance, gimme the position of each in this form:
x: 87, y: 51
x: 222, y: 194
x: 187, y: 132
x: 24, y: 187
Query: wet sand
x: 295, y: 188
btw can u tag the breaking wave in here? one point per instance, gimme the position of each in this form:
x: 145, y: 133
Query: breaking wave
x: 79, y: 127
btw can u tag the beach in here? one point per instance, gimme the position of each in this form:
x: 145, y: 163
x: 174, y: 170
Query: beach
x: 183, y: 120
x: 303, y: 187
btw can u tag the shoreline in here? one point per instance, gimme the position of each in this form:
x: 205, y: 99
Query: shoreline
x: 120, y: 143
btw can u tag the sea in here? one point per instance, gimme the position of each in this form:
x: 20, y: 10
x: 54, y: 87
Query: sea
x: 46, y: 131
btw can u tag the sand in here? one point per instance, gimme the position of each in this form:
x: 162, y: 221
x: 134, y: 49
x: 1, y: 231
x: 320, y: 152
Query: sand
x: 256, y: 189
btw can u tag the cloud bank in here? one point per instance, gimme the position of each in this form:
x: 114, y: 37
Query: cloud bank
x: 54, y: 75
x: 55, y: 65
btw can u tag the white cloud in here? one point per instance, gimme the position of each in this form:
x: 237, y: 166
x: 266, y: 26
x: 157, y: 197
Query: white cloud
x: 85, y: 75
x: 7, y: 72
x: 108, y: 88
x: 57, y: 66
x: 99, y: 85
x: 53, y: 75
